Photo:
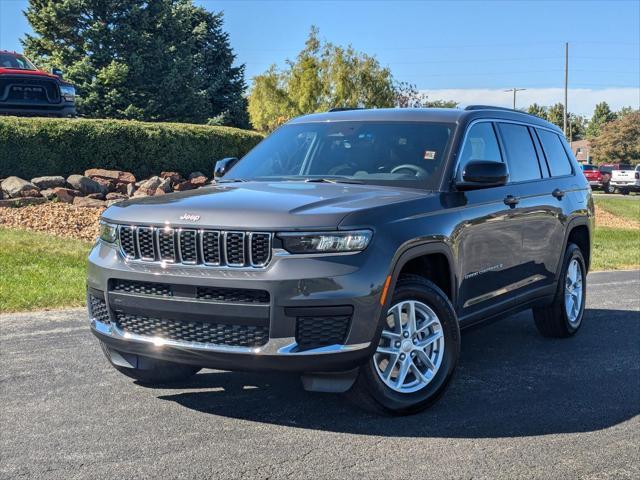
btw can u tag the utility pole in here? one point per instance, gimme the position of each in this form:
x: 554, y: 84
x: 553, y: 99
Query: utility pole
x: 566, y: 85
x: 514, y: 90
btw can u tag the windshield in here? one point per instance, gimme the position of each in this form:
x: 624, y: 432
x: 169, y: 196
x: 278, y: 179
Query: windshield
x: 403, y: 153
x: 17, y: 62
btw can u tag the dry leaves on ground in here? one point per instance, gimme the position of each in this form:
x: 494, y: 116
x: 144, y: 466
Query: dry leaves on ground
x: 606, y: 219
x: 58, y: 219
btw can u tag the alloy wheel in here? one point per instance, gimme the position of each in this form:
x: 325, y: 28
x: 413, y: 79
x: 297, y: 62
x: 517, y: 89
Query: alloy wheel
x: 573, y: 292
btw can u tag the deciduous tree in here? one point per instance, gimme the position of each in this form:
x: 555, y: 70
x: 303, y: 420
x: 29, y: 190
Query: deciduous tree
x: 618, y: 141
x: 602, y: 114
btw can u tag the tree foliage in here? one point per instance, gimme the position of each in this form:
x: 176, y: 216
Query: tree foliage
x: 619, y: 140
x: 322, y: 76
x: 602, y: 114
x: 162, y: 60
x: 555, y: 115
x: 408, y: 96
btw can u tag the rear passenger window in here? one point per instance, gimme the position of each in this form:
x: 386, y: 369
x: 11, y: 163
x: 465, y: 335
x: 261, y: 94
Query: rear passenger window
x: 557, y: 158
x: 521, y: 154
x: 480, y: 144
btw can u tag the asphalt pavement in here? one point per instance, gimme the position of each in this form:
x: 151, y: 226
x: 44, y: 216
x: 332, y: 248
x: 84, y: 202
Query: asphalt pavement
x: 520, y: 406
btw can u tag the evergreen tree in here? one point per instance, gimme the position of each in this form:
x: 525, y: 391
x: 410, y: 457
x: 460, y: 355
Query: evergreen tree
x: 163, y: 60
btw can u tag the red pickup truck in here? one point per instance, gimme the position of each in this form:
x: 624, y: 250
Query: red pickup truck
x: 27, y: 91
x: 593, y: 175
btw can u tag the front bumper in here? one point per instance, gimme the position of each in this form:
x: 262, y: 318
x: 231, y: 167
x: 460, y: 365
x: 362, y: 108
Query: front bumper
x: 632, y: 185
x: 296, y: 285
x: 64, y: 109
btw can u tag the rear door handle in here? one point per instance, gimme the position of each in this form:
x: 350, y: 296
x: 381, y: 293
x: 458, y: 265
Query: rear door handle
x: 558, y: 193
x: 511, y: 200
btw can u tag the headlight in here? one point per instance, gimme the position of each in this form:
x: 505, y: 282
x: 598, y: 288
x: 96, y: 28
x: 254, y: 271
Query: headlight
x: 108, y: 232
x: 68, y: 92
x: 329, y: 242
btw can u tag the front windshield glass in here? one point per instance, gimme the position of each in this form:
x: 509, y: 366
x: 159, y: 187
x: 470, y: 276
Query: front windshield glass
x: 17, y: 62
x: 405, y: 153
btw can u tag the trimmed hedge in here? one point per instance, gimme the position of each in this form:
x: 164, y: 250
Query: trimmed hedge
x: 31, y: 147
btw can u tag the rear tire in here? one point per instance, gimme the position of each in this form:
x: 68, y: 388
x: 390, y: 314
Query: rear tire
x: 158, y: 372
x: 427, y: 357
x: 606, y: 188
x: 624, y: 191
x: 563, y: 317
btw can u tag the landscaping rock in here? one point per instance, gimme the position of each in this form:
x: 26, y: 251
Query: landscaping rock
x: 114, y: 196
x: 109, y: 185
x: 22, y: 201
x: 131, y: 189
x: 15, y: 187
x: 196, y: 174
x: 116, y: 176
x: 88, y: 202
x: 180, y: 187
x: 174, y: 176
x: 66, y: 195
x: 48, y: 182
x: 165, y: 185
x: 151, y: 183
x: 96, y: 196
x: 200, y: 181
x: 49, y: 193
x: 86, y: 185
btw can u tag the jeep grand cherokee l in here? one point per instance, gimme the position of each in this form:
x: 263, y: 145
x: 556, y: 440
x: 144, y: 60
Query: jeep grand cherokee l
x: 351, y: 247
x: 25, y: 90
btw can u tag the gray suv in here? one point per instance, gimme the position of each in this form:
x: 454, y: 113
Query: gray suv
x: 350, y: 247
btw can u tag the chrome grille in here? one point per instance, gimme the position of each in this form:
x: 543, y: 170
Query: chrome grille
x: 188, y: 246
x: 211, y: 248
x: 234, y: 246
x: 127, y: 241
x: 196, y: 247
x: 145, y: 243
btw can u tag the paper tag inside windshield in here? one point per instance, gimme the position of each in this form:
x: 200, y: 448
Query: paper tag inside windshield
x: 429, y: 154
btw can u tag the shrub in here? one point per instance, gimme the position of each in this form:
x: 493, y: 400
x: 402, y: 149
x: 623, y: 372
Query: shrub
x: 31, y: 147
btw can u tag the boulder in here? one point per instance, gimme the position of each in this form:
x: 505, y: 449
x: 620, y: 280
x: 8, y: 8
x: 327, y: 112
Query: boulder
x: 150, y: 183
x: 116, y: 176
x: 174, y: 176
x: 165, y: 185
x: 198, y: 181
x: 66, y: 195
x: 86, y: 185
x: 118, y: 197
x: 131, y: 189
x: 88, y: 202
x: 109, y: 185
x: 96, y: 196
x: 49, y: 193
x: 180, y: 187
x: 196, y: 174
x: 15, y: 187
x: 44, y: 183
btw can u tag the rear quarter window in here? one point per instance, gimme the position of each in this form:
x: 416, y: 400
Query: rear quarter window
x: 555, y: 154
x: 521, y: 154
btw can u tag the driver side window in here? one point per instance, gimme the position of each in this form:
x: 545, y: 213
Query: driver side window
x: 481, y: 144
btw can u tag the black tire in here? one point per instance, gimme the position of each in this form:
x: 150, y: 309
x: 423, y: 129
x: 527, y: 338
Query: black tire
x: 159, y: 372
x: 606, y: 188
x: 552, y: 320
x: 371, y: 393
x: 624, y: 191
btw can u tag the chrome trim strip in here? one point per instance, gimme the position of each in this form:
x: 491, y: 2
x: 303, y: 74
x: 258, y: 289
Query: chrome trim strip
x: 275, y: 346
x: 501, y: 291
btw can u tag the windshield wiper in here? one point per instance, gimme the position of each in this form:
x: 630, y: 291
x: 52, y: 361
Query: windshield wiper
x: 333, y: 180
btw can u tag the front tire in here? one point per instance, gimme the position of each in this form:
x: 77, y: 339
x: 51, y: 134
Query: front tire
x: 417, y: 352
x: 564, y: 316
x: 157, y: 372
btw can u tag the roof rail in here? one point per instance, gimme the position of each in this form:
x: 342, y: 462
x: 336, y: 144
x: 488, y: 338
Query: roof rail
x: 344, y: 109
x: 490, y: 107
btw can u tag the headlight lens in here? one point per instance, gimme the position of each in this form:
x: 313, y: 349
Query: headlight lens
x: 68, y: 92
x: 108, y: 232
x: 326, y: 242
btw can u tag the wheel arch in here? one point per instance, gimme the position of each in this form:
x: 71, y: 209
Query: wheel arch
x: 579, y: 232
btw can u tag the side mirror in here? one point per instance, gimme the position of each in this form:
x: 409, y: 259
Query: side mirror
x: 57, y: 72
x: 483, y: 174
x: 223, y: 166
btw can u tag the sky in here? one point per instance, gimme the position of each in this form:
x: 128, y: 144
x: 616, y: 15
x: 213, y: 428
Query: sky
x: 468, y: 51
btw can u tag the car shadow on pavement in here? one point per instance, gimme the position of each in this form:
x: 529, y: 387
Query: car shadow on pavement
x: 510, y: 382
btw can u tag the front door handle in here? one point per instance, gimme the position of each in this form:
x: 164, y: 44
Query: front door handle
x: 558, y: 193
x: 511, y: 200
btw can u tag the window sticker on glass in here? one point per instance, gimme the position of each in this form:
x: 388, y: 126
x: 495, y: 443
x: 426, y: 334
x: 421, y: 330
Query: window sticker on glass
x: 429, y: 154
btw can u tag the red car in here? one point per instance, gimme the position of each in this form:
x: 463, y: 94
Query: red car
x: 26, y: 90
x: 593, y: 175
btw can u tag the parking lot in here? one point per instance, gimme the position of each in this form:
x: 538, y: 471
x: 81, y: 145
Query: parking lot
x: 521, y: 406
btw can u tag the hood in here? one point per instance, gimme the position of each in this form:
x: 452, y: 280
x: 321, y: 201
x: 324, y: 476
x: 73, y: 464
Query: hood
x: 259, y: 205
x: 17, y: 71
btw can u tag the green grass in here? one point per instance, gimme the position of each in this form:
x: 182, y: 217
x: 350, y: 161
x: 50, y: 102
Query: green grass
x: 623, y: 207
x: 40, y: 271
x: 615, y: 248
